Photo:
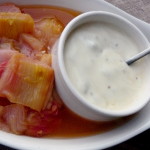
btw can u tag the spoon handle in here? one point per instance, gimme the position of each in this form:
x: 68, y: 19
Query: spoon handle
x: 138, y: 56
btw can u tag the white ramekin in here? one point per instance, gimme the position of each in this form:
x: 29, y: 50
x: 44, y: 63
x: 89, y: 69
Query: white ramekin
x: 66, y: 90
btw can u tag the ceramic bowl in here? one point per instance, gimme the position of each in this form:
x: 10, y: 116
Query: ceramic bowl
x: 137, y: 124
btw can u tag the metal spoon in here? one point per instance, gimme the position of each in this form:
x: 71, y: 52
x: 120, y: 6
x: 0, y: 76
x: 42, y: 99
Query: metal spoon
x: 138, y: 56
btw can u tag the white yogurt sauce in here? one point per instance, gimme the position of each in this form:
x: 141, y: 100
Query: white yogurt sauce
x: 94, y: 60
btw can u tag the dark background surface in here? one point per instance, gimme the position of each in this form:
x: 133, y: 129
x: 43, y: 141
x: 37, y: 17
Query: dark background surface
x: 141, y: 10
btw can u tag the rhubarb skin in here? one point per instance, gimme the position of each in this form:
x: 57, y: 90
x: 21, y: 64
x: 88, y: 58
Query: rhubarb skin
x: 27, y: 82
x: 13, y: 24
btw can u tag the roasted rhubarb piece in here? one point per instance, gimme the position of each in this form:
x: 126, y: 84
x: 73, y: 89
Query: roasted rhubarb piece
x: 48, y: 30
x: 35, y: 44
x: 27, y: 82
x: 5, y: 55
x: 14, y: 116
x: 19, y: 119
x: 13, y: 24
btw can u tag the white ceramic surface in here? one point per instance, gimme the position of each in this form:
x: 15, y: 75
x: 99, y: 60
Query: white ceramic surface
x: 71, y: 97
x: 136, y: 125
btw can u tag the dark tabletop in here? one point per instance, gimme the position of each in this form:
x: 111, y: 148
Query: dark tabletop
x: 141, y: 10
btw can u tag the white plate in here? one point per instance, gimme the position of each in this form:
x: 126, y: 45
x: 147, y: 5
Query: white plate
x: 136, y: 125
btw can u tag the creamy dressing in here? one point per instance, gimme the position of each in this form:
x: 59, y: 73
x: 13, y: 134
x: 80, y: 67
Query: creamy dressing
x: 94, y: 60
